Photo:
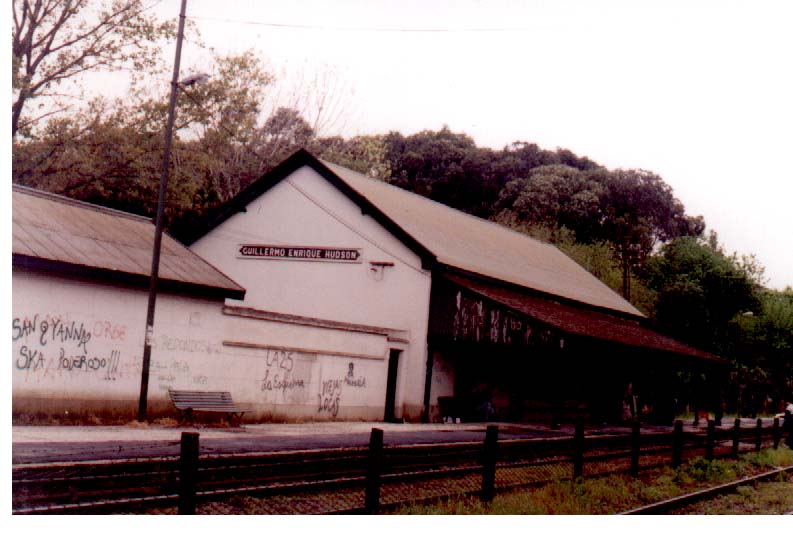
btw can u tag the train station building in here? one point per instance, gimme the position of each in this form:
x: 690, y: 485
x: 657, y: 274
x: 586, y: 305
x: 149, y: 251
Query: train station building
x: 318, y: 293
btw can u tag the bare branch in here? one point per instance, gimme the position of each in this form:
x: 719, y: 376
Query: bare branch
x: 58, y: 40
x: 26, y: 122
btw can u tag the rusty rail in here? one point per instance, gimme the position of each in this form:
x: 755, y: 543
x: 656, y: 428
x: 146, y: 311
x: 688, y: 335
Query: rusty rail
x: 693, y: 497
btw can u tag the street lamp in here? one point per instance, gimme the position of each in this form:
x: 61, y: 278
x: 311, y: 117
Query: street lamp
x: 155, y: 260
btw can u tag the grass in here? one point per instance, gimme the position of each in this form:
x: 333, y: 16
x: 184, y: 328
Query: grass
x: 767, y: 498
x: 616, y: 493
x: 594, y: 496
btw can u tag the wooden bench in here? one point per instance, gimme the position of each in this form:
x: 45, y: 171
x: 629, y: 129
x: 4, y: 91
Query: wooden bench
x: 187, y: 401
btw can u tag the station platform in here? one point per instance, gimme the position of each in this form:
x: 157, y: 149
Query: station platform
x: 48, y: 444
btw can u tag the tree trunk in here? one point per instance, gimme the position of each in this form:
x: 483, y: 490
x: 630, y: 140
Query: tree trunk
x: 16, y: 112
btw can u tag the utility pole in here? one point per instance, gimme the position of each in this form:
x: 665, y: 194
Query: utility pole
x: 155, y: 259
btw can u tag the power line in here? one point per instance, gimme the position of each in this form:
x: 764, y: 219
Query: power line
x: 151, y: 6
x: 364, y: 29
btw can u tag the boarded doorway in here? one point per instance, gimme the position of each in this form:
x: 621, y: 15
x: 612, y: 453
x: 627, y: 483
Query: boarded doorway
x: 391, y: 384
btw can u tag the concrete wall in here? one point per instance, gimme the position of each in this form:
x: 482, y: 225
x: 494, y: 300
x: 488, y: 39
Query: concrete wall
x: 306, y: 210
x: 77, y: 346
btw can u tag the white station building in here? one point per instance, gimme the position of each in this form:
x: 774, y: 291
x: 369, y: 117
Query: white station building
x: 318, y: 294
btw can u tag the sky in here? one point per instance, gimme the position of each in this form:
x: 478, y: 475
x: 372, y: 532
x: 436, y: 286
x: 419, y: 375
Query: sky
x: 699, y: 92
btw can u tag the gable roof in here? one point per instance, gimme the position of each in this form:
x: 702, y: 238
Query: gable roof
x: 441, y: 234
x: 472, y: 244
x: 54, y: 233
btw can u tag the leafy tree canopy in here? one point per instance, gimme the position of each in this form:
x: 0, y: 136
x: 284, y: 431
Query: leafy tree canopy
x: 699, y: 291
x: 762, y: 347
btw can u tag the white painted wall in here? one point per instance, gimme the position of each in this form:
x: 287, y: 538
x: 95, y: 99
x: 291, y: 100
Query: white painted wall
x: 82, y: 341
x: 78, y: 345
x: 398, y: 299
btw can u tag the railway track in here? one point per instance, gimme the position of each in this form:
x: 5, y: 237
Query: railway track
x: 670, y: 504
x: 138, y: 484
x: 408, y: 473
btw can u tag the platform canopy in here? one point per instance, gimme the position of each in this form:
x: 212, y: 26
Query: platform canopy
x: 502, y: 311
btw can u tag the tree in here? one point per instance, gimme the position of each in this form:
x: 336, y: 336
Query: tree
x: 109, y: 153
x: 699, y: 292
x: 445, y: 166
x: 631, y: 210
x: 762, y: 349
x: 519, y: 158
x: 286, y: 129
x: 364, y: 154
x: 639, y: 210
x: 97, y: 155
x: 55, y: 41
x: 555, y: 196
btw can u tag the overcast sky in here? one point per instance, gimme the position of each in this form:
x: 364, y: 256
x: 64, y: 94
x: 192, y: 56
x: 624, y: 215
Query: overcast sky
x: 699, y: 92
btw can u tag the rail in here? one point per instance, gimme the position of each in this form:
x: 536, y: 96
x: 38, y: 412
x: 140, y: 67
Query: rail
x: 363, y: 480
x: 692, y: 497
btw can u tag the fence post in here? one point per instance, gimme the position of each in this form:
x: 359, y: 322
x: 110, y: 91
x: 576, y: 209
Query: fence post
x: 777, y: 435
x: 578, y: 449
x: 736, y: 437
x: 489, y: 464
x: 710, y: 439
x: 677, y: 444
x: 188, y: 473
x: 635, y: 446
x: 373, y: 472
x: 758, y: 438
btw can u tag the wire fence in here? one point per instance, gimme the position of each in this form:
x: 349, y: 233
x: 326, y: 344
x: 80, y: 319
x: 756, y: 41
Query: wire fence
x: 362, y: 480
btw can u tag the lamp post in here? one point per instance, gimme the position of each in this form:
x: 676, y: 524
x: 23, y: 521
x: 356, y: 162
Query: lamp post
x: 155, y: 260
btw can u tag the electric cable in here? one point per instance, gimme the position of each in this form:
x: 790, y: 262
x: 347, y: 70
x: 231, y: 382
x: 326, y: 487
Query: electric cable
x: 362, y: 29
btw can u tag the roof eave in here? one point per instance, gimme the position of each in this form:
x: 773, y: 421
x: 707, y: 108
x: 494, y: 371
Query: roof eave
x: 32, y: 263
x: 678, y: 349
x: 640, y: 318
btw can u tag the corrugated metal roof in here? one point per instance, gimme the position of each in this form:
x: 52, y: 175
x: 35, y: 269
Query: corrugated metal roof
x: 52, y: 228
x: 472, y: 244
x: 579, y: 321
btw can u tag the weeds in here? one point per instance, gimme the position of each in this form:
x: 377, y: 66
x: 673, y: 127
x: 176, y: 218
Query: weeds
x: 615, y: 493
x: 709, y: 471
x: 770, y: 458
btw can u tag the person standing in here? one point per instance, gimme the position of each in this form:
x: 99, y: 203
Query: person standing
x: 787, y: 426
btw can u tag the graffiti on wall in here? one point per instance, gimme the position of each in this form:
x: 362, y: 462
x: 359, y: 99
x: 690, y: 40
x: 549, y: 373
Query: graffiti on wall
x: 167, y: 373
x: 289, y: 375
x: 48, y: 348
x: 330, y: 396
x: 179, y: 344
x: 278, y: 374
x: 48, y: 345
x: 51, y: 344
x: 280, y: 382
x: 471, y: 318
x: 331, y: 391
x: 50, y: 328
x: 351, y: 380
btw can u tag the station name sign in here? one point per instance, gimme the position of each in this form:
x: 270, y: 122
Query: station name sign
x: 300, y: 253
